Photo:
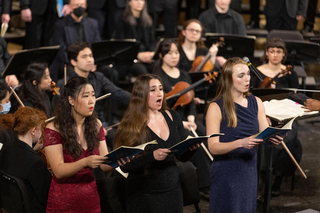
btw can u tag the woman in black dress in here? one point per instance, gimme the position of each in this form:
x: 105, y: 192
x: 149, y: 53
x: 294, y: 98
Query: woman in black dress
x: 153, y: 182
x: 137, y: 24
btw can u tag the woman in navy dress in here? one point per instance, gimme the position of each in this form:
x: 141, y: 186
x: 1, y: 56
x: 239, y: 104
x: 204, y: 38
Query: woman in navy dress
x: 239, y: 115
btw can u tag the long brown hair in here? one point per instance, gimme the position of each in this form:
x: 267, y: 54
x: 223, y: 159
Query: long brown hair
x: 24, y: 119
x: 181, y: 39
x: 224, y: 90
x: 146, y: 20
x: 132, y: 130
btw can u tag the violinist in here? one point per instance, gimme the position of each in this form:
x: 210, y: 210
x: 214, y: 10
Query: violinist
x: 33, y: 89
x: 192, y: 46
x: 5, y: 103
x: 165, y: 67
x: 275, y: 56
x: 18, y: 159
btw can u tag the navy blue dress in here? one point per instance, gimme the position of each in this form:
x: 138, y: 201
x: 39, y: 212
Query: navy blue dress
x: 233, y: 178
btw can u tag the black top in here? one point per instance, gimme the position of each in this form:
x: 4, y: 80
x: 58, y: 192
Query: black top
x: 18, y: 159
x: 151, y: 181
x: 229, y: 23
x: 102, y: 86
x: 169, y: 82
x: 186, y: 64
x: 145, y: 35
x: 286, y: 81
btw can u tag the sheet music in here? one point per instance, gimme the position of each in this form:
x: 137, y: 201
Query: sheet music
x: 285, y: 109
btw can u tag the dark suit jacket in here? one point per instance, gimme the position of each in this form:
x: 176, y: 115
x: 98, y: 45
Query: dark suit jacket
x: 18, y: 159
x: 99, y: 4
x: 65, y: 34
x: 294, y: 7
x: 5, y: 6
x: 37, y: 7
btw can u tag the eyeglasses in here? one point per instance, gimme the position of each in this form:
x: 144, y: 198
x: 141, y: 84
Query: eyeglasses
x: 191, y: 30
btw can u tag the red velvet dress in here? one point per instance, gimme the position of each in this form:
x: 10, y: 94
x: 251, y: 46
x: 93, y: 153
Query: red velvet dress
x: 77, y: 193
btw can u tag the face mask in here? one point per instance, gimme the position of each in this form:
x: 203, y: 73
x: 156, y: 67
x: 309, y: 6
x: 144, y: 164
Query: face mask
x: 6, y: 107
x: 79, y: 11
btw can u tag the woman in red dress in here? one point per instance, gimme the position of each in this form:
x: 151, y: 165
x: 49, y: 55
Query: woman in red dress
x: 75, y: 143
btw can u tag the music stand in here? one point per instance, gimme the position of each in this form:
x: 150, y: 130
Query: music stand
x: 234, y: 45
x: 300, y: 51
x: 22, y: 59
x: 115, y: 51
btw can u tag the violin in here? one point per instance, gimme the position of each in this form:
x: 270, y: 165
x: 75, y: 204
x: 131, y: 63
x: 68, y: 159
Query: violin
x: 54, y: 88
x: 202, y: 63
x: 270, y: 82
x: 183, y: 90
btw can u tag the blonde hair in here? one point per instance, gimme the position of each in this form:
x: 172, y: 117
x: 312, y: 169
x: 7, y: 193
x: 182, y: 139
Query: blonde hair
x: 224, y: 90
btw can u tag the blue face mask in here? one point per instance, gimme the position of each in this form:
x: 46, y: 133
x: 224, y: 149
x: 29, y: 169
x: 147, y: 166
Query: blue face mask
x: 6, y: 107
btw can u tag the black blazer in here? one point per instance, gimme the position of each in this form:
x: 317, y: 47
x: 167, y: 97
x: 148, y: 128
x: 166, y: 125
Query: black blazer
x: 18, y: 159
x: 37, y: 7
x: 65, y: 34
x: 99, y: 4
x: 294, y: 7
x: 5, y: 6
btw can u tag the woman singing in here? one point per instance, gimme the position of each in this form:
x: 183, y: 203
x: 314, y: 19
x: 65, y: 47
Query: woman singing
x: 153, y: 182
x: 239, y: 116
x: 75, y: 143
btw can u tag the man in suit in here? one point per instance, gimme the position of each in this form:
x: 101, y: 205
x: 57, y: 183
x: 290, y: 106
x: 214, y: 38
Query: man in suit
x: 72, y: 28
x: 40, y: 16
x: 5, y: 9
x: 284, y: 14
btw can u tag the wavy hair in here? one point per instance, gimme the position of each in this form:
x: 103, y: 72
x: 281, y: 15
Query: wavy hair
x: 132, y: 130
x: 66, y: 124
x: 24, y: 119
x: 181, y: 39
x: 146, y: 20
x: 224, y: 90
x: 28, y: 91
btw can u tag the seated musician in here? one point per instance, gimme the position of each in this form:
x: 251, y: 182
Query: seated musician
x: 33, y: 89
x: 5, y: 103
x: 136, y: 24
x: 18, y: 159
x: 275, y: 56
x: 282, y: 164
x: 191, y: 46
x: 165, y: 67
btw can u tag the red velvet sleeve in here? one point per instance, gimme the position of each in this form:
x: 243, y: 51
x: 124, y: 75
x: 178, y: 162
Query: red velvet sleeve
x: 51, y: 137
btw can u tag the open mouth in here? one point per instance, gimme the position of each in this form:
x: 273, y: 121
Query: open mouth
x: 159, y: 101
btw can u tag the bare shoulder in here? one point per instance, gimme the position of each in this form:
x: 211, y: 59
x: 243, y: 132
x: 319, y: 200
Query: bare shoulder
x: 259, y: 101
x: 214, y: 110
